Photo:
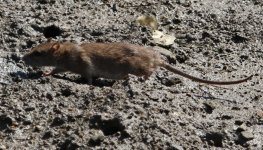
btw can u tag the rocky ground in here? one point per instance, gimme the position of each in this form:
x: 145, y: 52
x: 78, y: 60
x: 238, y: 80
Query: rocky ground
x: 214, y: 40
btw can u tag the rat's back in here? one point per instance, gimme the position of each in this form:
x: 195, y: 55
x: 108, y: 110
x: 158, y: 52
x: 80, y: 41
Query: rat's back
x: 117, y: 60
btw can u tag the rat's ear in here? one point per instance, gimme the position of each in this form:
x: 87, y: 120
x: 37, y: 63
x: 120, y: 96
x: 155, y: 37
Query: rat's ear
x: 55, y: 47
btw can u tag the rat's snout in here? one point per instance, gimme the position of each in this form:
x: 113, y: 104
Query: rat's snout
x: 26, y: 59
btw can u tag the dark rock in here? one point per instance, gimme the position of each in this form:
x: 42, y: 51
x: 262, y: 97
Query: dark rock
x: 170, y: 81
x: 49, y: 96
x: 66, y: 92
x: 176, y: 21
x: 96, y: 33
x: 108, y: 127
x: 181, y: 57
x: 238, y: 122
x: 46, y: 1
x: 209, y: 107
x: 238, y: 39
x: 52, y: 31
x: 47, y: 135
x: 68, y: 145
x: 29, y: 108
x: 15, y: 57
x: 57, y: 121
x: 214, y: 139
x: 190, y: 38
x: 5, y: 122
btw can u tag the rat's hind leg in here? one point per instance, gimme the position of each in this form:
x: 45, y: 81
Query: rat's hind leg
x: 54, y: 71
x: 146, y: 76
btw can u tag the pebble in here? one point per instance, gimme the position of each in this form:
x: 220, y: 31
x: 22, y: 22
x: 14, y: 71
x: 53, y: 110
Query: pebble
x: 170, y: 81
x: 209, y: 107
x: 242, y: 128
x: 97, y: 137
x: 2, y: 147
x: 247, y: 135
x: 38, y: 128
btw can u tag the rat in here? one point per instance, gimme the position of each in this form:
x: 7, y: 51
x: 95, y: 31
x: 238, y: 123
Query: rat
x: 106, y: 60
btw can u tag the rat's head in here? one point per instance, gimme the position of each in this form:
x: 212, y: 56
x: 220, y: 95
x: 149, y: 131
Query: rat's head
x: 42, y: 55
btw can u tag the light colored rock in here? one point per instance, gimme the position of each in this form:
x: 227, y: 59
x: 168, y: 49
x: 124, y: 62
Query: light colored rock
x: 247, y: 135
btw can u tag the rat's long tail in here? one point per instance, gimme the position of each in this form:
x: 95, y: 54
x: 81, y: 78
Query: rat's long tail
x: 172, y: 69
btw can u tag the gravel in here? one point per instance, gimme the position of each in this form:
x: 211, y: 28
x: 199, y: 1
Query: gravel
x: 216, y: 40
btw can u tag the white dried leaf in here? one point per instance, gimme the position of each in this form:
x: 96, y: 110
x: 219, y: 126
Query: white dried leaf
x: 161, y: 38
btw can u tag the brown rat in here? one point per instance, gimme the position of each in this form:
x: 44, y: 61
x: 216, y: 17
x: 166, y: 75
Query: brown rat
x: 106, y: 60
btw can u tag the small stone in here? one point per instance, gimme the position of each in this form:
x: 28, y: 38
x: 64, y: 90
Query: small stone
x: 175, y: 146
x: 45, y: 1
x: 239, y: 38
x: 48, y: 135
x: 190, y: 37
x: 15, y: 57
x: 57, y: 121
x: 27, y: 31
x: 241, y: 128
x: 114, y: 7
x: 5, y: 121
x: 247, y: 135
x: 2, y: 147
x: 27, y: 120
x: 209, y: 107
x: 38, y: 128
x: 176, y: 21
x: 69, y: 144
x: 170, y: 81
x: 181, y: 56
x: 96, y: 138
x: 49, y: 96
x: 66, y: 92
x: 238, y: 122
x: 155, y: 96
x: 52, y: 31
x: 29, y: 108
x: 260, y: 114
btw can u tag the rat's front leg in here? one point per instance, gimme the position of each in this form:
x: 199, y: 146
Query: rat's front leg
x: 87, y: 75
x: 54, y: 71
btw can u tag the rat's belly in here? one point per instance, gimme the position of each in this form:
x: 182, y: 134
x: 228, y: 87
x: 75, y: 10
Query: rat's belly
x: 112, y: 72
x: 108, y: 75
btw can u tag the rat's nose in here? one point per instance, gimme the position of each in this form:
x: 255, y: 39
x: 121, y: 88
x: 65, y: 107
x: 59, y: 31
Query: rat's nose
x: 24, y: 58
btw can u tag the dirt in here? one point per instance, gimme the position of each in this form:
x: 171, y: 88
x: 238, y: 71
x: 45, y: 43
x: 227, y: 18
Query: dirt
x: 217, y: 40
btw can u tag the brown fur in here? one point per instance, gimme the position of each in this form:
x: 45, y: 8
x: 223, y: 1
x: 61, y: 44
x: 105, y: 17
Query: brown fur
x: 107, y: 60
